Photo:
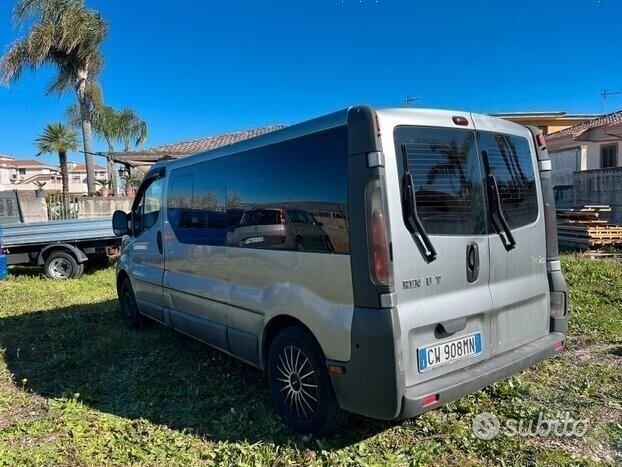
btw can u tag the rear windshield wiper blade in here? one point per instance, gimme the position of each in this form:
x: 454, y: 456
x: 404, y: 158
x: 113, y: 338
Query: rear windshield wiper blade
x: 509, y: 242
x: 413, y: 223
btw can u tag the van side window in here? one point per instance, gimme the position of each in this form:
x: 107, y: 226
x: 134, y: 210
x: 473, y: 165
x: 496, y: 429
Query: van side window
x: 196, y: 203
x: 447, y: 176
x: 284, y: 185
x: 512, y: 165
x: 146, y: 213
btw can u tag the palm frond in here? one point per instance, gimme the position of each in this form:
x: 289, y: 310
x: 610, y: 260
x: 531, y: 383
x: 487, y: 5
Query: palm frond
x: 14, y: 61
x: 57, y: 137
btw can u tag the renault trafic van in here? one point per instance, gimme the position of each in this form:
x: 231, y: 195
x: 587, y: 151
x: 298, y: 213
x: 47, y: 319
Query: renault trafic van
x: 442, y: 275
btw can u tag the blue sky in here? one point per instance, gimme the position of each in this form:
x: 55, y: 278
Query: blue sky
x: 194, y: 68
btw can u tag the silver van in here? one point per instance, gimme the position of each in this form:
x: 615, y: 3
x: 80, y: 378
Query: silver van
x: 442, y: 275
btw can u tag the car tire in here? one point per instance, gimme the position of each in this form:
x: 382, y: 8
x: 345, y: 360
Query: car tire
x: 300, y: 387
x: 128, y: 306
x: 61, y: 265
x: 300, y: 246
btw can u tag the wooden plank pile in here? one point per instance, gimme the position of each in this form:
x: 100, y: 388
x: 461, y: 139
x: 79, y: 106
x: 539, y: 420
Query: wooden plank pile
x: 587, y: 228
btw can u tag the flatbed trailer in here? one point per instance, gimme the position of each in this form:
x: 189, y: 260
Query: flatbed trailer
x: 61, y: 248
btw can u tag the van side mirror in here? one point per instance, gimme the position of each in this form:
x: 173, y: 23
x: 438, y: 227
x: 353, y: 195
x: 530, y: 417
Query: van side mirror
x: 120, y: 223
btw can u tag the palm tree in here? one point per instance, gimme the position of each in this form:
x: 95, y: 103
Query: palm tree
x: 58, y: 138
x: 113, y: 125
x: 66, y: 34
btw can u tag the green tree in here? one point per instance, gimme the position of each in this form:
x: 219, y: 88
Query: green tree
x: 57, y: 138
x: 124, y: 126
x: 67, y: 35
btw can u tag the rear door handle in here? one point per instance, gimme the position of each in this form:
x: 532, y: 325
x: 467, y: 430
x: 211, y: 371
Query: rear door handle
x: 159, y: 241
x: 472, y: 262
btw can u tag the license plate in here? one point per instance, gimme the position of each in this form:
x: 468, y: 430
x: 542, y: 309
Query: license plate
x: 251, y: 240
x: 456, y: 349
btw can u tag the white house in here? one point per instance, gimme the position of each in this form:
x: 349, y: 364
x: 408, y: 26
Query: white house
x: 587, y: 163
x: 23, y: 175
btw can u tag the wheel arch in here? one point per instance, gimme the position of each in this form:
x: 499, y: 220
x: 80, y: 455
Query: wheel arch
x: 77, y: 253
x: 275, y: 325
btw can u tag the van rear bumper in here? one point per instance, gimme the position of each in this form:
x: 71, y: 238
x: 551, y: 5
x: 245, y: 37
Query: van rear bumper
x: 473, y: 378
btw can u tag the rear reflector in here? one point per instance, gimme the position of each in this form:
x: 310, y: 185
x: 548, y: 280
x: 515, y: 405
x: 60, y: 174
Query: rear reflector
x: 540, y: 140
x: 429, y: 400
x: 558, y: 304
x: 336, y: 369
x: 459, y: 120
x: 559, y: 346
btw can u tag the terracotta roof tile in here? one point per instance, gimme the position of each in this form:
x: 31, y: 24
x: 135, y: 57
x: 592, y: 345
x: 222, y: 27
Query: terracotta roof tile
x: 213, y: 142
x: 614, y: 118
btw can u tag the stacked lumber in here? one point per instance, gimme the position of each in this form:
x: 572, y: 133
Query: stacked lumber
x: 587, y: 228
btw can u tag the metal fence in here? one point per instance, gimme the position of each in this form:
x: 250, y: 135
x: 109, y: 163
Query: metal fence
x: 61, y: 208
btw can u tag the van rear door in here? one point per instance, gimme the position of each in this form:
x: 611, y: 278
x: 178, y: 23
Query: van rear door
x: 444, y: 302
x: 518, y: 280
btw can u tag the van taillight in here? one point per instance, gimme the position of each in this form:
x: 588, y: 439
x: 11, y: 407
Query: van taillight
x: 283, y: 220
x: 378, y: 236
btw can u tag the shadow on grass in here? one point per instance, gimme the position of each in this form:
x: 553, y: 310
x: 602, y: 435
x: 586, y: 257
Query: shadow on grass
x: 156, y: 374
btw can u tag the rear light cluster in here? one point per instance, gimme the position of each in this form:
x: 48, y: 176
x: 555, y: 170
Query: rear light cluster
x: 378, y: 235
x: 283, y: 220
x: 558, y: 304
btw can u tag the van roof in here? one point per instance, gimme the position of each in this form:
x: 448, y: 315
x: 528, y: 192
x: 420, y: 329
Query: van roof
x: 336, y: 119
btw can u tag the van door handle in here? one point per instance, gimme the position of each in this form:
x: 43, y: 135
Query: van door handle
x: 472, y: 262
x: 447, y: 328
x: 159, y: 241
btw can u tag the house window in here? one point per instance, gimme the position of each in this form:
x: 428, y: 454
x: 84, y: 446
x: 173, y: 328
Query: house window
x: 76, y: 178
x: 21, y: 171
x: 609, y: 155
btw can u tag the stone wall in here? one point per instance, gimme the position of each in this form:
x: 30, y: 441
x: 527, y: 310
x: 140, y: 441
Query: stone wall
x: 601, y: 186
x: 95, y: 206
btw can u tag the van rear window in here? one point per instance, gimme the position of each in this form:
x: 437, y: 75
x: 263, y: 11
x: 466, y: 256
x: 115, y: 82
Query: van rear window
x: 447, y: 178
x: 448, y: 172
x: 512, y: 165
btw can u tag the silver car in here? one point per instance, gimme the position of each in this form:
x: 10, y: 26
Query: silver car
x: 433, y: 272
x: 286, y: 229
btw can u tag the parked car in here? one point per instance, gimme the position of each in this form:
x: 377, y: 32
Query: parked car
x: 286, y: 229
x: 443, y: 277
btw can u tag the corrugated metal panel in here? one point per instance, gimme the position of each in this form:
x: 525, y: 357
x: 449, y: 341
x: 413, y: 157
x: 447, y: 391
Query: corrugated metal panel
x: 57, y: 231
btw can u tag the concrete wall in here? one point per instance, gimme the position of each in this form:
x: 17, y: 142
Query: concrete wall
x: 603, y: 186
x: 33, y: 209
x: 90, y: 207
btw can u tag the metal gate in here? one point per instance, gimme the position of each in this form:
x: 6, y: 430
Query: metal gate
x: 9, y: 208
x: 60, y: 208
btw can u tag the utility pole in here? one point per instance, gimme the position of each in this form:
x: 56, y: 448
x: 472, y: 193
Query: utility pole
x: 604, y: 95
x: 408, y: 102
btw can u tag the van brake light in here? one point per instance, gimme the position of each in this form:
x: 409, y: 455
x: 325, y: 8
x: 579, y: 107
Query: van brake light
x: 378, y: 237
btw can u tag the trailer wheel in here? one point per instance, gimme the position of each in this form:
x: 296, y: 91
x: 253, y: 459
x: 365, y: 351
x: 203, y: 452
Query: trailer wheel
x: 62, y: 265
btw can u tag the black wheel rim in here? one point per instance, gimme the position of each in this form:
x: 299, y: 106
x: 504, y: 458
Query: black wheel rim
x: 298, y: 382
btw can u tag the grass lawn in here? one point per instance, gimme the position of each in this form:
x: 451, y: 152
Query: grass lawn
x: 76, y: 388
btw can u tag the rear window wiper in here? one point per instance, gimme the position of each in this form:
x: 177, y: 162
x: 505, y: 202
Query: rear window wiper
x: 411, y: 218
x: 494, y: 199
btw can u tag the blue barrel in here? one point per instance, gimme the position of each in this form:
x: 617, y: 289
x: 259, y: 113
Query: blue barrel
x: 3, y: 267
